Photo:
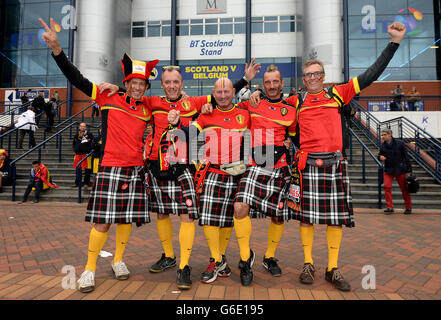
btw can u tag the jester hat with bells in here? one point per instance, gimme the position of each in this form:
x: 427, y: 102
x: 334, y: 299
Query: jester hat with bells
x: 137, y: 69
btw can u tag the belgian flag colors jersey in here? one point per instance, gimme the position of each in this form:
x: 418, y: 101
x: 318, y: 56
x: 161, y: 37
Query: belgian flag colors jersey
x: 319, y: 118
x: 124, y: 121
x: 160, y: 107
x: 223, y: 133
x: 271, y: 120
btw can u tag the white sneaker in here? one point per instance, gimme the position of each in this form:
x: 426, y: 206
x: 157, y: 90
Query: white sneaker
x: 86, y: 283
x: 120, y: 270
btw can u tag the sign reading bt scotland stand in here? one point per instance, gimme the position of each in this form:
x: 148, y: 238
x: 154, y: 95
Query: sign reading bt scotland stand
x: 211, y: 48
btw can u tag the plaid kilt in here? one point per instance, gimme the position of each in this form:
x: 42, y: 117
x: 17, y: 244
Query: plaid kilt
x: 118, y: 196
x: 265, y: 191
x: 173, y: 196
x: 326, y: 196
x: 216, y: 203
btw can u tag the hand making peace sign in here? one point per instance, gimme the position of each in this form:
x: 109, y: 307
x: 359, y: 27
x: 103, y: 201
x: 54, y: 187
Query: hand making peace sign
x: 50, y: 36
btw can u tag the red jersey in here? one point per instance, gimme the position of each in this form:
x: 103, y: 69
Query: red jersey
x: 188, y: 108
x: 270, y: 121
x: 223, y: 133
x: 320, y: 120
x: 124, y: 121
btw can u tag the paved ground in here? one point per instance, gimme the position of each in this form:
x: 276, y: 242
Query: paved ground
x: 401, y: 253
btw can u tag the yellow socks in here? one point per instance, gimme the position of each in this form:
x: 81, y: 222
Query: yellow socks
x: 275, y: 232
x: 224, y: 238
x: 212, y: 236
x: 333, y: 235
x: 165, y: 232
x: 96, y: 243
x: 186, y: 239
x: 307, y: 235
x: 243, y: 234
x: 122, y: 237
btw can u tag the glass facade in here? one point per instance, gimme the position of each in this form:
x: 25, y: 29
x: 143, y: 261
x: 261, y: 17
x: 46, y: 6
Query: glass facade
x: 25, y: 60
x: 368, y: 21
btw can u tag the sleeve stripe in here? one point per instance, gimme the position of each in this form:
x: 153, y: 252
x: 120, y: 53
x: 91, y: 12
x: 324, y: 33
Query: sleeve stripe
x: 94, y: 92
x: 356, y: 85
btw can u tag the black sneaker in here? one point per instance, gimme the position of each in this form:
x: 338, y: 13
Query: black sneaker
x: 407, y: 211
x: 163, y: 264
x: 227, y: 271
x: 212, y: 270
x: 184, y: 281
x: 271, y: 265
x: 335, y: 277
x: 307, y: 275
x: 246, y: 274
x: 389, y: 211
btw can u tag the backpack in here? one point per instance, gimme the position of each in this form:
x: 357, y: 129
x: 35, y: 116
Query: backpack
x: 346, y: 111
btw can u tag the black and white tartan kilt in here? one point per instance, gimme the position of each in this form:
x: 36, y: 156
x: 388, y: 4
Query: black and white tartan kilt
x: 118, y: 196
x: 174, y: 196
x: 265, y: 190
x: 326, y: 196
x: 216, y: 202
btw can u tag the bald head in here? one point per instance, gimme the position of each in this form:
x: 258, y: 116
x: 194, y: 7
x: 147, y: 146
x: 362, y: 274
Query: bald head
x: 224, y: 92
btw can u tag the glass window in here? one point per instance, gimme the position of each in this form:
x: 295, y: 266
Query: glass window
x: 226, y: 28
x: 421, y: 54
x: 31, y: 13
x: 362, y: 53
x: 196, y: 27
x: 226, y: 20
x: 257, y: 25
x: 287, y: 26
x: 154, y: 29
x: 211, y: 26
x: 271, y: 24
x: 239, y: 28
x: 182, y: 28
x: 166, y: 28
x: 283, y: 18
x: 138, y: 32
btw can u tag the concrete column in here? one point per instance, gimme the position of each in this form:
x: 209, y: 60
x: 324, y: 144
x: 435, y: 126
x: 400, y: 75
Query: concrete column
x: 323, y: 36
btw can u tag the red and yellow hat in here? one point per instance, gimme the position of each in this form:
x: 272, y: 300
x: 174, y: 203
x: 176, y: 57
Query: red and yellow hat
x: 4, y: 151
x: 137, y: 69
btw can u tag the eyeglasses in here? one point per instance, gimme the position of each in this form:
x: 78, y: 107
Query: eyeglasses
x: 170, y: 68
x: 315, y: 74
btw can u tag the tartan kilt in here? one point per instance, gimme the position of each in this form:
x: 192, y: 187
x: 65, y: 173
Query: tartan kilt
x: 173, y: 196
x: 326, y: 196
x: 216, y: 202
x: 265, y: 191
x: 118, y: 196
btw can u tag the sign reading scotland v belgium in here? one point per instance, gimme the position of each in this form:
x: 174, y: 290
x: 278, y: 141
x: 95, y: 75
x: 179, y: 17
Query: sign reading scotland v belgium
x: 232, y: 71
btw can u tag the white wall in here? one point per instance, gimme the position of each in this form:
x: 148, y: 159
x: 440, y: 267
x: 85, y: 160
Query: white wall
x: 428, y: 120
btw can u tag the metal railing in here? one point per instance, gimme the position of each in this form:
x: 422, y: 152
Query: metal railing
x: 424, y: 148
x: 59, y: 145
x: 363, y: 161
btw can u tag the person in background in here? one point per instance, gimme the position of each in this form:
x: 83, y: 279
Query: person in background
x: 292, y: 92
x: 26, y: 124
x: 56, y: 97
x: 38, y: 103
x: 5, y: 179
x: 397, y: 164
x: 413, y: 98
x: 24, y: 102
x: 50, y: 109
x: 38, y: 177
x: 397, y: 103
x: 82, y: 145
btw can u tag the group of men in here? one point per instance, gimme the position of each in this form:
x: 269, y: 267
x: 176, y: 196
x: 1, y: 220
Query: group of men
x: 232, y: 184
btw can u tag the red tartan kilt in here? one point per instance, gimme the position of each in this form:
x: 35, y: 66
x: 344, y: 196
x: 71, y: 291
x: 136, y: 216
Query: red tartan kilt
x: 78, y: 158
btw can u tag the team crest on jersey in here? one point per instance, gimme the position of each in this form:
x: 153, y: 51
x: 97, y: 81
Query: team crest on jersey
x: 240, y: 118
x: 186, y: 105
x: 284, y: 111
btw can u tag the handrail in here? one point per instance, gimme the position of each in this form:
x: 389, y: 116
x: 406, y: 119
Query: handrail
x: 424, y: 148
x: 363, y: 159
x: 12, y: 168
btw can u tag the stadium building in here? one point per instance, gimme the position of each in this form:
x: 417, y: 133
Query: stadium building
x: 214, y: 38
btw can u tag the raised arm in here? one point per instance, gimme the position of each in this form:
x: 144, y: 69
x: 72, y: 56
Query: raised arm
x: 397, y: 32
x: 69, y: 70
